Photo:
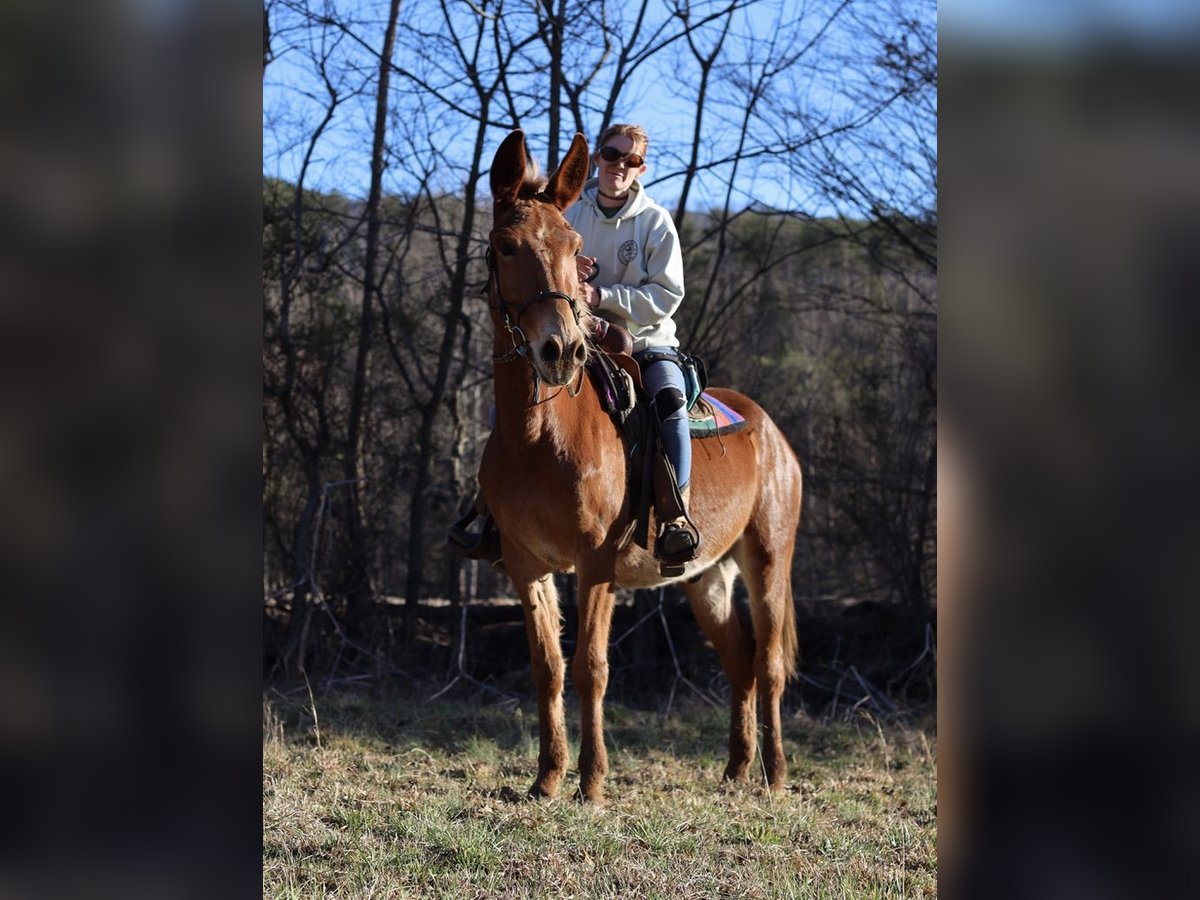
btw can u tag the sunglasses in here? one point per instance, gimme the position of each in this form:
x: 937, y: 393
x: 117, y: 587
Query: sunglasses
x: 612, y: 155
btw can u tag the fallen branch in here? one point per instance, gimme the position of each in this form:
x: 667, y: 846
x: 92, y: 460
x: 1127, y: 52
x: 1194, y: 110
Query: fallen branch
x: 679, y: 676
x: 461, y: 673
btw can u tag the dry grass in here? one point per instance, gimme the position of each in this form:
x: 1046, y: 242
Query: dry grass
x: 396, y: 798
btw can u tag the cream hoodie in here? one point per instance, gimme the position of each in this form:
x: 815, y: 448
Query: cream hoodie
x: 639, y: 260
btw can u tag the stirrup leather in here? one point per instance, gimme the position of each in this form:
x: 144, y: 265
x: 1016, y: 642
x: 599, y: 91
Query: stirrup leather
x: 678, y: 541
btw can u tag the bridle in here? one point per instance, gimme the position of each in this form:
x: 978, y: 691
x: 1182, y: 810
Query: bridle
x: 511, y: 320
x: 511, y: 312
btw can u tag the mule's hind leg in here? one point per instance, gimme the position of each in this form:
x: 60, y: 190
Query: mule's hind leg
x: 712, y: 602
x: 768, y: 578
x: 542, y: 626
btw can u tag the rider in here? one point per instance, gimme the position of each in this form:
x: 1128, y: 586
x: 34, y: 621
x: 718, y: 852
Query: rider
x: 631, y: 272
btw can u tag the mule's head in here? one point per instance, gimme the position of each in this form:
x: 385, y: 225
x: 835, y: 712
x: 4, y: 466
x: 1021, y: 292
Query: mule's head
x: 533, y: 255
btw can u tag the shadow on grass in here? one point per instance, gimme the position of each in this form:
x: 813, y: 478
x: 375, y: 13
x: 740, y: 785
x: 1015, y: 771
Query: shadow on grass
x: 403, y: 721
x: 868, y: 652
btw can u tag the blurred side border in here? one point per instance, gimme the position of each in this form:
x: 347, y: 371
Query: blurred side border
x: 1070, y: 225
x: 131, y: 432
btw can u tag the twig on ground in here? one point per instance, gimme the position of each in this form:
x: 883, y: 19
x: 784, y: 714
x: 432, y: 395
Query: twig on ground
x: 392, y: 669
x: 837, y: 693
x: 461, y: 672
x: 872, y: 698
x: 313, y: 706
x: 808, y: 679
x: 762, y: 763
x: 634, y: 627
x: 316, y: 598
x: 930, y: 649
x: 878, y: 698
x: 887, y: 755
x: 679, y: 676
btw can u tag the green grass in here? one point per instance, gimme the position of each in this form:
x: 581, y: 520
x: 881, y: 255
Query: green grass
x: 399, y: 798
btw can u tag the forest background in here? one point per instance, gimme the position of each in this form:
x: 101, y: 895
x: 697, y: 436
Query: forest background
x: 794, y: 144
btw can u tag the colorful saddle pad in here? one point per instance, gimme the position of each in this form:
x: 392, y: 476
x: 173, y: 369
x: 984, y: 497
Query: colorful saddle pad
x: 710, y: 417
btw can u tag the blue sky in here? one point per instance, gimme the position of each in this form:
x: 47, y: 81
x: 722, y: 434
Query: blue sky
x: 655, y: 98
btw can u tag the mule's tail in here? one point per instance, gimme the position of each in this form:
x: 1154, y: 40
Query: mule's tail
x: 792, y: 488
x: 791, y: 644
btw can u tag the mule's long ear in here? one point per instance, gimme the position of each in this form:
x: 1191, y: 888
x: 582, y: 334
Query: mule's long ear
x: 508, y: 168
x: 566, y: 183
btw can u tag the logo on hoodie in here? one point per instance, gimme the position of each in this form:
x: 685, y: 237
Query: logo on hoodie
x: 627, y: 252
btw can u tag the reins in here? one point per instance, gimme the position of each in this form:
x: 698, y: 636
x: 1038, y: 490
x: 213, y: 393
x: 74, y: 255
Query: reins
x: 521, y: 348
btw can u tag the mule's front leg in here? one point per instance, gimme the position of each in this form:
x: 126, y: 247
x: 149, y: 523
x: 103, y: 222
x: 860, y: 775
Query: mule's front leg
x: 590, y: 671
x: 542, y: 626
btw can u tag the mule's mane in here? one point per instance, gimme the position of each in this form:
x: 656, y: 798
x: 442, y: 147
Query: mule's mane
x: 534, y: 182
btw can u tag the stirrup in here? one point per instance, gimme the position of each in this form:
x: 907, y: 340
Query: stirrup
x: 484, y: 546
x: 675, y: 547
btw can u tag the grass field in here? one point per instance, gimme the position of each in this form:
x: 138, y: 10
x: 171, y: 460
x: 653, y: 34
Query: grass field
x: 381, y: 795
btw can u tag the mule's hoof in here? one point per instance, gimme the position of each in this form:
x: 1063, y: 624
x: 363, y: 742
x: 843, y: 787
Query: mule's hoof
x: 542, y: 790
x: 594, y: 797
x: 739, y: 774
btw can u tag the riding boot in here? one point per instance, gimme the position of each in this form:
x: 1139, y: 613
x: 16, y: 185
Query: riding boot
x: 678, y: 541
x: 485, y: 544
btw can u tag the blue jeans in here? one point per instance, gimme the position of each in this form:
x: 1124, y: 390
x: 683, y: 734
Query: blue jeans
x: 656, y: 377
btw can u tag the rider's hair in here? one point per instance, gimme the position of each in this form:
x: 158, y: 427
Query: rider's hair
x: 637, y: 134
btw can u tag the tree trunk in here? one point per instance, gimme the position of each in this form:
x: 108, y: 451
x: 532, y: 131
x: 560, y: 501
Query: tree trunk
x: 303, y: 573
x: 556, y: 19
x: 419, y: 504
x: 359, y: 592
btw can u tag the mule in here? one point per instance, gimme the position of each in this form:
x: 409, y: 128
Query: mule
x: 553, y: 475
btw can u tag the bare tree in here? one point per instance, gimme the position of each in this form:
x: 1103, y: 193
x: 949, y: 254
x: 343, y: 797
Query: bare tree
x: 298, y: 378
x: 485, y: 78
x: 705, y: 61
x: 360, y: 590
x: 803, y: 188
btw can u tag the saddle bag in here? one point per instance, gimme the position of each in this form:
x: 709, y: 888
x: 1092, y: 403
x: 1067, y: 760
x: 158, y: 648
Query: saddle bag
x: 695, y: 377
x: 614, y: 385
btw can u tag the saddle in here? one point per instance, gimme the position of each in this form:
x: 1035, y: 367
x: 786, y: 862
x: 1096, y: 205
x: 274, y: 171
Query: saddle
x: 617, y: 378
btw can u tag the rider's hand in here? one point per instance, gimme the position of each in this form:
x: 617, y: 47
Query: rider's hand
x: 589, y: 295
x: 585, y: 266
